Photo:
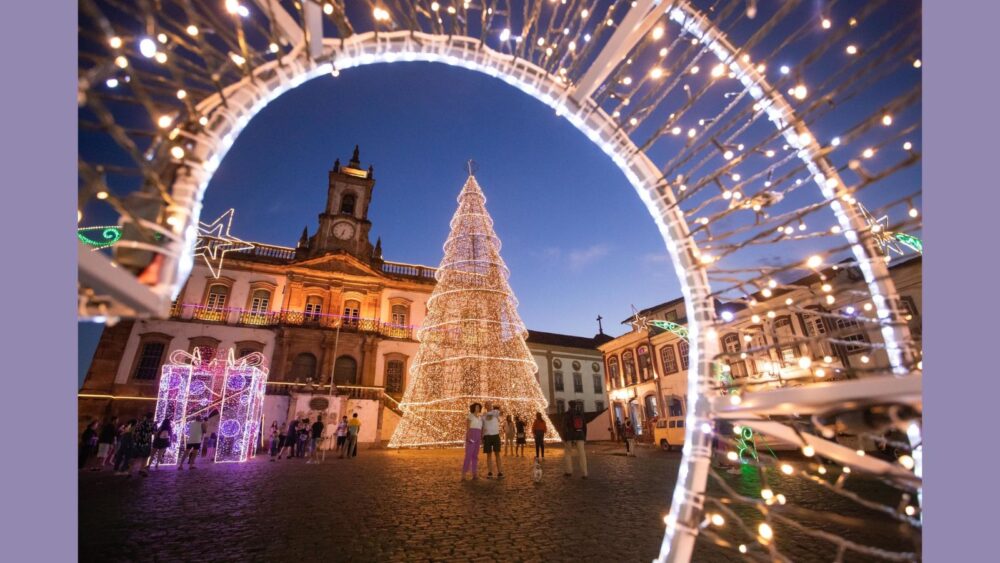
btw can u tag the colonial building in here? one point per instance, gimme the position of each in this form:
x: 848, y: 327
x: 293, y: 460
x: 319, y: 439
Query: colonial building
x: 330, y: 309
x: 775, y: 343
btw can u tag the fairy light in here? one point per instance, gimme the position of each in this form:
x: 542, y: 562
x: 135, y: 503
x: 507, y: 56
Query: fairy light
x: 766, y: 494
x: 112, y: 83
x: 827, y: 23
x: 808, y: 451
x: 657, y: 33
x: 160, y: 57
x: 784, y: 69
x: 820, y: 373
x: 273, y: 47
x: 907, y: 146
x: 177, y: 152
x: 917, y: 63
x: 505, y: 35
x: 238, y: 59
x: 906, y: 461
x: 471, y: 277
x: 147, y: 47
x: 800, y: 92
x: 913, y: 212
x: 232, y: 6
x: 718, y: 70
x: 328, y: 8
x: 717, y: 519
x: 868, y: 152
x: 192, y: 30
x: 787, y: 469
x: 115, y: 42
x: 765, y: 531
x: 656, y: 73
x: 910, y: 510
x: 852, y: 49
x: 743, y: 548
x: 887, y: 120
x: 821, y: 470
x: 165, y: 121
x: 181, y: 94
x: 695, y: 69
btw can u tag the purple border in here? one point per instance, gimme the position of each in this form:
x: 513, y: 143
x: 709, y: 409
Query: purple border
x: 960, y: 203
x: 39, y: 163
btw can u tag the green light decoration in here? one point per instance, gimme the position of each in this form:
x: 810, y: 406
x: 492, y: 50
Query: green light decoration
x: 110, y: 236
x: 672, y: 327
x: 746, y: 443
x: 911, y: 241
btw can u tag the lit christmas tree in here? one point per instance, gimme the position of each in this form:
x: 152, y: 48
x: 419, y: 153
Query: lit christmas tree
x: 472, y: 346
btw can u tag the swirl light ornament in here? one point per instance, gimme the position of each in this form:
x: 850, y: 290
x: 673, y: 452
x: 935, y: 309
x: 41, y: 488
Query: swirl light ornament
x: 750, y: 132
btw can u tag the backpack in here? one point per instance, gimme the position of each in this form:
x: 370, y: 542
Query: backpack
x: 578, y: 423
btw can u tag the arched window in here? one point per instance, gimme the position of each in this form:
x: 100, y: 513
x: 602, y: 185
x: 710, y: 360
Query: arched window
x: 206, y: 345
x: 400, y: 315
x: 352, y: 311
x: 314, y: 308
x: 669, y: 359
x: 394, y: 376
x: 304, y: 367
x: 645, y: 363
x: 784, y: 335
x: 682, y: 349
x: 650, y: 404
x: 815, y: 328
x: 345, y: 371
x: 217, y: 296
x: 613, y: 372
x: 347, y: 204
x: 731, y: 345
x: 260, y: 301
x: 628, y: 367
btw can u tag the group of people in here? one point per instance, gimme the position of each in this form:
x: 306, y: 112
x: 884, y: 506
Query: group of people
x: 303, y: 440
x: 483, y: 428
x: 141, y: 444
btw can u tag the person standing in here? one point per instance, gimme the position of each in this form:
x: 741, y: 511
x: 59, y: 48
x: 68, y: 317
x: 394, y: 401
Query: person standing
x: 508, y: 435
x: 473, y: 436
x: 353, y: 429
x: 106, y: 441
x: 291, y: 438
x: 88, y: 442
x: 123, y: 451
x: 277, y: 438
x: 519, y: 435
x: 629, y: 439
x: 575, y: 438
x: 196, y: 431
x: 142, y: 440
x: 317, y: 435
x: 538, y: 429
x: 303, y: 438
x: 164, y: 435
x: 491, y: 440
x: 342, y: 434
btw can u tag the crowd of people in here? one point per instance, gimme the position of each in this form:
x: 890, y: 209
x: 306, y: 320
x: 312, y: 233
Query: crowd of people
x: 483, y: 430
x: 140, y: 445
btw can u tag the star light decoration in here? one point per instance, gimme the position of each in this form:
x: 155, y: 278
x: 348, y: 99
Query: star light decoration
x: 886, y: 239
x: 214, y: 241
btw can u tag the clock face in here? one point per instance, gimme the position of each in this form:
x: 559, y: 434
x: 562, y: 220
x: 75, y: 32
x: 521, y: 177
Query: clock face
x: 343, y: 231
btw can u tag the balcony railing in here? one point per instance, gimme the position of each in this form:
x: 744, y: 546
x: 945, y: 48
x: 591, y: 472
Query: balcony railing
x: 243, y: 317
x: 409, y: 270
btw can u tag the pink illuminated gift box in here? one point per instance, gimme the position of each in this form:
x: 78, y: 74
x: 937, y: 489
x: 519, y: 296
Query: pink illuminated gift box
x: 203, y: 383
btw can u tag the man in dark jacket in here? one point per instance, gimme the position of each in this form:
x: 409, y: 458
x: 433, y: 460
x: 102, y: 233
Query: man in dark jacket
x: 575, y: 438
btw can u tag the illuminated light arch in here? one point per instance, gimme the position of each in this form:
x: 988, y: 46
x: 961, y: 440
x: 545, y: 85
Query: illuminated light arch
x: 246, y: 98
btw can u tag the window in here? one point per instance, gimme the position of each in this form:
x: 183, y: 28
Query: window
x: 347, y: 204
x: 784, y: 335
x: 598, y: 384
x: 675, y: 407
x: 628, y: 362
x: 907, y: 306
x: 150, y: 357
x: 682, y: 349
x: 304, y: 367
x: 613, y: 373
x: 400, y: 314
x: 217, y: 296
x: 578, y: 383
x: 557, y: 378
x: 599, y: 406
x: 314, y: 308
x: 345, y: 371
x: 560, y: 406
x: 731, y: 346
x: 645, y: 363
x: 816, y: 327
x: 669, y: 359
x: 260, y: 301
x: 394, y: 376
x: 650, y: 404
x: 671, y: 315
x: 861, y: 339
x: 850, y: 329
x: 352, y: 311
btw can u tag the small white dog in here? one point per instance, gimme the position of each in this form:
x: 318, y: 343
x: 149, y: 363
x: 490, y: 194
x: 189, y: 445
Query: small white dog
x: 536, y: 472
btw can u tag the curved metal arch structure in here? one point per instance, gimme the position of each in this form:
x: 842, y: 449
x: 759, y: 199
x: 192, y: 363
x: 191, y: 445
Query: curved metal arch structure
x: 226, y: 112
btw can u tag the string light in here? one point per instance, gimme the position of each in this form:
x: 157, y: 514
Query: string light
x: 784, y: 69
x: 192, y: 30
x: 165, y: 121
x: 765, y: 531
x: 868, y: 153
x: 115, y: 42
x: 827, y: 23
x: 483, y: 359
x: 852, y: 49
x: 112, y: 83
x: 917, y: 63
x: 160, y: 57
x: 147, y: 47
x: 215, y: 240
x: 887, y: 120
x: 121, y: 61
x: 800, y: 92
x: 181, y: 94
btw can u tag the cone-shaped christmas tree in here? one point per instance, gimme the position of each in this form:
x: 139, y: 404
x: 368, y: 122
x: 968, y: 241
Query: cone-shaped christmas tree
x: 472, y: 345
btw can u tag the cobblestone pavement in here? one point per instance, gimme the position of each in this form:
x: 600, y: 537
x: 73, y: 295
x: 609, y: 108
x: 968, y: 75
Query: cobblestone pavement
x: 387, y: 505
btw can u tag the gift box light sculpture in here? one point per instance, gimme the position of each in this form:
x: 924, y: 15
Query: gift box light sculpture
x: 472, y: 346
x: 203, y: 383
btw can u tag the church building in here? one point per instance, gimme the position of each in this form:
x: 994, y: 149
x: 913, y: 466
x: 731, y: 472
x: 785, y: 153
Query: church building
x: 332, y: 308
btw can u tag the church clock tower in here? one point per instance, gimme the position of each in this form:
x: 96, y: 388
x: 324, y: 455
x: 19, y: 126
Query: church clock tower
x: 344, y: 224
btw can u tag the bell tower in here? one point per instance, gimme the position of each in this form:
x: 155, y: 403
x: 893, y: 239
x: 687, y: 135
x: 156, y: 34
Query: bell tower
x: 344, y: 224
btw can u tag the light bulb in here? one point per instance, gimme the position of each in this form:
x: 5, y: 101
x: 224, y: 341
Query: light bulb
x: 706, y: 428
x: 821, y: 470
x: 147, y: 47
x: 584, y: 13
x: 808, y: 450
x: 203, y: 120
x: 162, y: 38
x: 718, y: 70
x: 239, y: 60
x: 743, y: 548
x: 868, y: 153
x: 755, y: 319
x: 827, y: 359
x: 121, y: 61
x: 784, y: 69
x: 177, y: 152
x: 910, y: 510
x: 820, y: 372
x: 852, y: 50
x: 800, y: 92
x: 906, y: 461
x: 827, y: 23
x: 917, y: 64
x: 830, y: 300
x: 769, y: 153
x: 435, y: 6
x: 766, y: 493
x: 328, y: 9
x: 161, y: 57
x: 192, y: 30
x: 657, y: 32
x: 907, y: 146
x: 814, y: 261
x: 728, y: 155
x: 805, y: 362
x: 887, y: 120
x: 656, y: 73
x: 770, y: 314
x: 735, y: 400
x: 787, y: 469
x: 766, y: 292
x: 164, y: 121
x: 692, y: 132
x: 717, y: 519
x: 663, y: 52
x: 505, y: 34
x: 865, y: 359
x: 732, y: 456
x: 913, y: 212
x: 232, y: 6
x: 273, y: 47
x: 676, y: 130
x: 835, y: 141
x: 115, y: 42
x: 102, y: 195
x: 765, y: 531
x: 627, y: 80
x: 112, y: 83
